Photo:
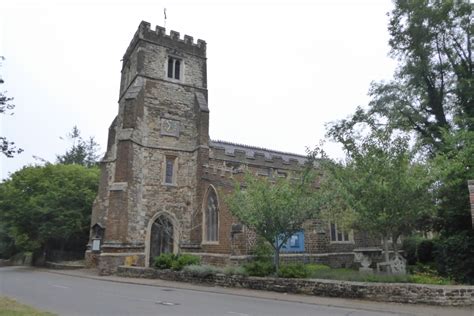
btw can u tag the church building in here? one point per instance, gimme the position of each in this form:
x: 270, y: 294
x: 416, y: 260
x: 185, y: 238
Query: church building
x: 163, y: 179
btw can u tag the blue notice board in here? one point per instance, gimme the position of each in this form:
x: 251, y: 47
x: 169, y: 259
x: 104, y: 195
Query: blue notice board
x: 295, y: 243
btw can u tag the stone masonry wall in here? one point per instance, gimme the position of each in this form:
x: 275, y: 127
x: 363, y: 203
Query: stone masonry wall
x: 452, y: 295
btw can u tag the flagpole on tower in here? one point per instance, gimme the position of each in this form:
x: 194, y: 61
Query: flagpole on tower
x: 164, y: 12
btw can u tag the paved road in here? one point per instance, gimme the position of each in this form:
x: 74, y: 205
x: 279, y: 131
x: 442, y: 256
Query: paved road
x: 69, y: 295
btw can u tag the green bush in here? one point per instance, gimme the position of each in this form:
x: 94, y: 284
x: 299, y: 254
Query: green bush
x: 235, y: 270
x: 294, y: 270
x: 201, y: 271
x: 262, y: 264
x: 184, y: 260
x: 207, y: 270
x: 262, y: 250
x: 425, y: 251
x: 259, y: 268
x: 410, y: 246
x: 313, y: 268
x: 175, y: 262
x: 418, y: 249
x: 354, y: 275
x: 164, y: 261
x: 429, y: 278
x: 454, y: 256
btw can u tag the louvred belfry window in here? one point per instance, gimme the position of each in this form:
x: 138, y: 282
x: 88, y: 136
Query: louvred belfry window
x: 174, y: 68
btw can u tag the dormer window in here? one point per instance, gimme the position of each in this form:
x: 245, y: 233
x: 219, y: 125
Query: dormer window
x: 174, y: 68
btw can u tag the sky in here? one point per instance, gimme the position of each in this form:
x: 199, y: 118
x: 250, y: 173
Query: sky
x: 278, y: 71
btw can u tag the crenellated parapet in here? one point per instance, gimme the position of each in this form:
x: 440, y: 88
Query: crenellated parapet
x: 231, y: 152
x: 158, y: 36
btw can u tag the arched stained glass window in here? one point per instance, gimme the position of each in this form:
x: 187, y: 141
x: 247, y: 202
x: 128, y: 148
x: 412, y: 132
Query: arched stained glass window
x: 211, y: 216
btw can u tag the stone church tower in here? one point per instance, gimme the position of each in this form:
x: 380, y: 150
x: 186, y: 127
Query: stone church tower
x: 157, y: 141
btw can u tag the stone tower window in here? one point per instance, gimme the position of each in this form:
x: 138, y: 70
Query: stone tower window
x: 174, y: 68
x: 211, y: 216
x: 170, y: 170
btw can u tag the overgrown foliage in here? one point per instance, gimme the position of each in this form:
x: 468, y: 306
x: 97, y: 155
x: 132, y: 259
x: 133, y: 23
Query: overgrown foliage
x: 42, y: 206
x: 175, y: 261
x: 431, y: 100
x: 7, y: 147
x: 423, y: 274
x: 260, y: 268
x: 454, y: 256
x: 453, y: 167
x: 388, y: 191
x: 293, y: 270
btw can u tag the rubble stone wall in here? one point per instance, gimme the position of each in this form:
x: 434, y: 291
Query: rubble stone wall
x: 447, y: 295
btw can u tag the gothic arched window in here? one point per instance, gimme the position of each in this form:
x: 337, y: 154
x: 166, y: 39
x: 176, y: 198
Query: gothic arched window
x: 211, y: 216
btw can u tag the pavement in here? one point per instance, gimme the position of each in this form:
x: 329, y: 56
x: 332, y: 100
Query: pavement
x: 352, y: 306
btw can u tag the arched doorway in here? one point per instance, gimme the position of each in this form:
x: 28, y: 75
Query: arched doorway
x: 161, y: 237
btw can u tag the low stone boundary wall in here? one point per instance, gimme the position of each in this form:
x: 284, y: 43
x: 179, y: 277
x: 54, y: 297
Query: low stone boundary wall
x: 20, y: 259
x: 452, y: 295
x: 63, y: 266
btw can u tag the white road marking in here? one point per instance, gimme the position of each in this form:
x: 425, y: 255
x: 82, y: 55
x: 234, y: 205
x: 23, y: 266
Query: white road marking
x: 59, y: 286
x: 166, y: 303
x: 240, y: 314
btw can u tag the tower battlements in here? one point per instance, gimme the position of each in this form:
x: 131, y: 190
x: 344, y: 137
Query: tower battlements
x: 173, y: 40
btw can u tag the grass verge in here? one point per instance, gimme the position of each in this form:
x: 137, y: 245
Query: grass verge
x: 10, y: 307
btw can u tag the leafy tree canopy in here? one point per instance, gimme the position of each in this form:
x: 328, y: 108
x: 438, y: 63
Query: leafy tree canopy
x: 433, y: 87
x: 452, y: 168
x: 431, y: 100
x: 276, y: 208
x: 388, y: 191
x: 41, y: 205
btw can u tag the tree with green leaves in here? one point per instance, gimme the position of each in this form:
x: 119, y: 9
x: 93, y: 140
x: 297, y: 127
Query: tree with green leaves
x: 7, y: 147
x: 82, y: 152
x: 433, y: 87
x: 453, y: 167
x: 431, y: 99
x: 276, y: 208
x: 388, y: 191
x: 41, y: 206
x: 454, y: 249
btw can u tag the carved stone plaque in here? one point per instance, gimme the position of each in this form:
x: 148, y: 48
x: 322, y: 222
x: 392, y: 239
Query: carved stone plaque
x: 169, y: 127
